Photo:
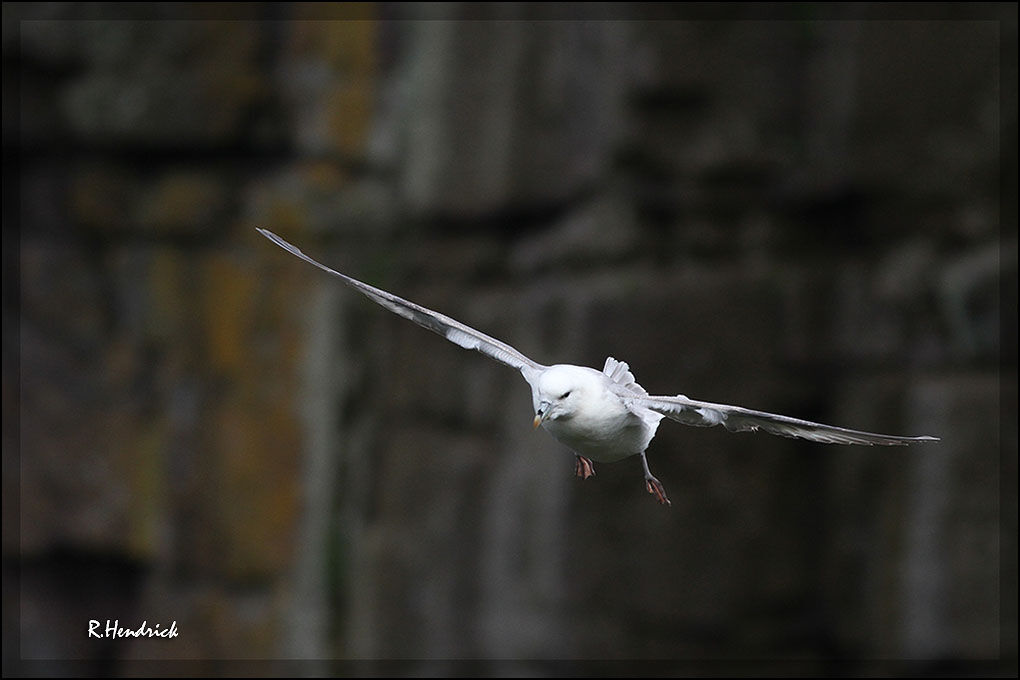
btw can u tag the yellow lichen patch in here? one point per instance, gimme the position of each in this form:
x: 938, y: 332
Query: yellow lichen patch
x: 253, y: 433
x: 282, y: 206
x: 182, y: 202
x: 228, y: 310
x: 323, y: 177
x: 171, y: 304
x: 258, y: 446
x: 348, y: 50
x: 348, y: 46
x: 349, y: 111
x: 146, y: 473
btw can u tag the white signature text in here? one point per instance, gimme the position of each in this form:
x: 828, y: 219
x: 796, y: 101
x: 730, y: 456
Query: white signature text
x: 113, y: 629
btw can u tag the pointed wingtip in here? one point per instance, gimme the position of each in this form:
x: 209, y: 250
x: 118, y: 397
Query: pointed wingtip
x: 286, y: 245
x: 904, y: 441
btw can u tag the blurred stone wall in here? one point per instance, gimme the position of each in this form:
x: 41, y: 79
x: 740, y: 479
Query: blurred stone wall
x: 801, y: 216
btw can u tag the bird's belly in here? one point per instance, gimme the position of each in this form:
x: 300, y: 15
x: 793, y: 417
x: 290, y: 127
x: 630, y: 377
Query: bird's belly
x: 604, y: 439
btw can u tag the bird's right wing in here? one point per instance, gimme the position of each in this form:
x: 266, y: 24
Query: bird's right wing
x: 451, y: 329
x: 737, y: 419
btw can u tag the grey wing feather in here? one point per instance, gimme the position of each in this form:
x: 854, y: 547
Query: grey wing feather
x: 737, y: 419
x: 451, y: 329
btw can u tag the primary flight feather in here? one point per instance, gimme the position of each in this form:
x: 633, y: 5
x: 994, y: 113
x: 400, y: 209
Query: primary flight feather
x: 602, y: 415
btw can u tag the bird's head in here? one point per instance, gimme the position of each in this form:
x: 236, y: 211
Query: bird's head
x: 559, y: 391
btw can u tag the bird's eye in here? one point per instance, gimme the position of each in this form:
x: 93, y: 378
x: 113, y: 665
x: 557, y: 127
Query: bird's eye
x: 565, y: 394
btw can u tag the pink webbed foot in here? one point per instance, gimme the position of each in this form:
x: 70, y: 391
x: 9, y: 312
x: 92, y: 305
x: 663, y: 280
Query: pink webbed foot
x: 655, y: 488
x: 583, y: 467
x: 652, y: 484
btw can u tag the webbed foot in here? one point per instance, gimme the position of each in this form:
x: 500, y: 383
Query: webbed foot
x: 652, y: 484
x: 583, y: 467
x: 655, y: 488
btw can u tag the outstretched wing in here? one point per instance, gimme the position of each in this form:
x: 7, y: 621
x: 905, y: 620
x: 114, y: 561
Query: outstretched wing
x: 737, y: 419
x: 451, y: 329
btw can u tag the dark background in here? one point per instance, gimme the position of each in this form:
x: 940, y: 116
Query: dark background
x: 807, y: 210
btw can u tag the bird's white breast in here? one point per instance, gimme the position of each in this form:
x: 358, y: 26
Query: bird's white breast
x: 606, y: 438
x: 600, y: 427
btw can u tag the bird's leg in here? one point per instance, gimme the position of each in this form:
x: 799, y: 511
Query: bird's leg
x: 652, y: 484
x: 583, y: 467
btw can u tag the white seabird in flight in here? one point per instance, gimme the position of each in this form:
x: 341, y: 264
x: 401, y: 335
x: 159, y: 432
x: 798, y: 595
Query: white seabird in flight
x: 605, y: 415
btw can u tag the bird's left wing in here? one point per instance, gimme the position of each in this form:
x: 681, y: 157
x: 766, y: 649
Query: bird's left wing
x: 737, y: 419
x: 451, y: 329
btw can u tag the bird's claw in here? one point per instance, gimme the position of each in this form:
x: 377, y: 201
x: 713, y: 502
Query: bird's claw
x: 655, y: 488
x: 583, y: 467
